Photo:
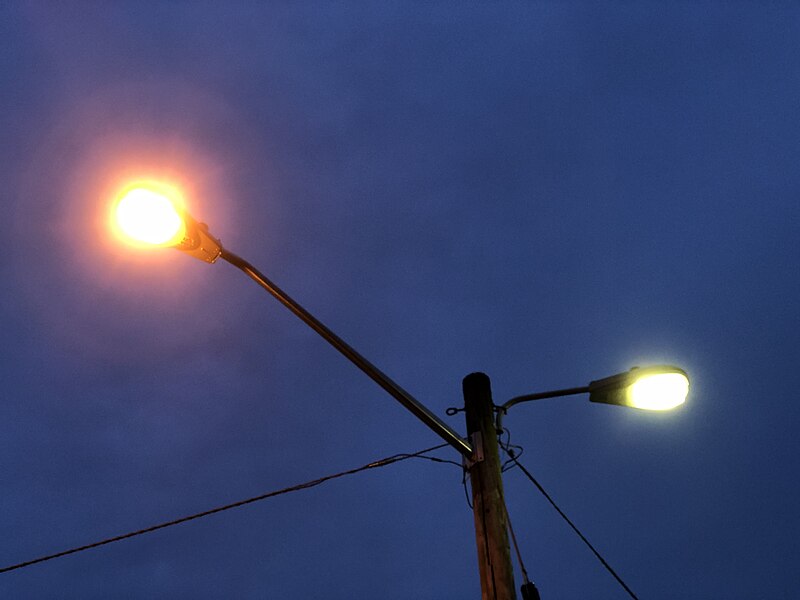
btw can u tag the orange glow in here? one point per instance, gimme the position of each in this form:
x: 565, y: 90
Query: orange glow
x: 147, y: 213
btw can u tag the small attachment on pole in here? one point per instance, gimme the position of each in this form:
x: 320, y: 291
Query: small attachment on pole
x: 198, y: 242
x: 529, y: 591
x: 476, y: 440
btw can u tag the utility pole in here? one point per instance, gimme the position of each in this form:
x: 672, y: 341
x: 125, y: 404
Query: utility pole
x: 491, y: 529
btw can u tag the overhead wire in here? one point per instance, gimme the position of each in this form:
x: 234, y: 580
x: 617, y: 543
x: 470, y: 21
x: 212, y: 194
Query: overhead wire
x: 516, y: 545
x: 453, y: 410
x: 464, y: 477
x: 383, y: 462
x: 519, y: 450
x: 574, y: 527
x: 528, y: 588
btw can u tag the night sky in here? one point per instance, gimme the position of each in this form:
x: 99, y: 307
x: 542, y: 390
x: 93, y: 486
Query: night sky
x: 547, y: 192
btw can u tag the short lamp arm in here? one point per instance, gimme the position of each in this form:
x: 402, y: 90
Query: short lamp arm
x: 502, y: 410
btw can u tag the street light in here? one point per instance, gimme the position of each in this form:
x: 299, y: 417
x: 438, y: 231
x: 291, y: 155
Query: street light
x: 148, y: 213
x: 661, y: 387
x: 657, y: 387
x: 151, y: 214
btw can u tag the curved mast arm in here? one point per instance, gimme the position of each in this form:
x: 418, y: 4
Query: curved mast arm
x: 502, y: 410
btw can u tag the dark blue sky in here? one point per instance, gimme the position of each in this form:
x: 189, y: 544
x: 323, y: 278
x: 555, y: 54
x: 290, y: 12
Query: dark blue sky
x: 546, y: 192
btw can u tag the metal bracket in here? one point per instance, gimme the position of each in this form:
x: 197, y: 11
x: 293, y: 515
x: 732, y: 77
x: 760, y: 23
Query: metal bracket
x: 476, y: 441
x: 198, y: 242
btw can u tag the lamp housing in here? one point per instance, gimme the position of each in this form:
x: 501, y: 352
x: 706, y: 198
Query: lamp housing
x: 198, y: 242
x: 152, y: 214
x: 660, y: 387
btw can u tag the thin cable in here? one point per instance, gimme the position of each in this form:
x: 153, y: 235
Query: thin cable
x: 508, y: 445
x: 432, y: 459
x: 464, y: 477
x: 519, y: 450
x: 295, y: 488
x: 516, y: 546
x: 571, y: 524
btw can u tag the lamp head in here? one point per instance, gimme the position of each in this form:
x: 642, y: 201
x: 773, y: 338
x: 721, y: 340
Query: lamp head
x: 660, y: 387
x: 149, y: 214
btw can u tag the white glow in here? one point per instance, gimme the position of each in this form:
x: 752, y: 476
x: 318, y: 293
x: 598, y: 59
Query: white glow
x: 149, y: 217
x: 661, y: 391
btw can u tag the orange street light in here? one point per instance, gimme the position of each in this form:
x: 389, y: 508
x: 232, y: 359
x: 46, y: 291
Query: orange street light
x: 147, y: 213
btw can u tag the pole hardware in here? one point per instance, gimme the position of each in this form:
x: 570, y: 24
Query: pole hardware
x: 476, y: 440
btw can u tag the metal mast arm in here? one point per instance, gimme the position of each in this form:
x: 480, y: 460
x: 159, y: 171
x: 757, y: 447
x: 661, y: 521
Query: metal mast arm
x: 502, y: 410
x: 443, y: 430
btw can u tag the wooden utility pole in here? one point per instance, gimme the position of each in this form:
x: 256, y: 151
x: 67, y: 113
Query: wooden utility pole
x: 491, y: 530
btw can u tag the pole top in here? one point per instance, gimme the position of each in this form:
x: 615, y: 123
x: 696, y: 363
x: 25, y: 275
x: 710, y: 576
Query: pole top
x: 476, y: 379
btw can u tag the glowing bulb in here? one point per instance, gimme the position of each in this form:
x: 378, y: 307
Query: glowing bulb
x: 660, y: 391
x: 150, y: 216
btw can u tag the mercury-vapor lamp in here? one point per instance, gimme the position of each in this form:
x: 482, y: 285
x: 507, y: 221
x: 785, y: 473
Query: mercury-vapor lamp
x: 659, y: 387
